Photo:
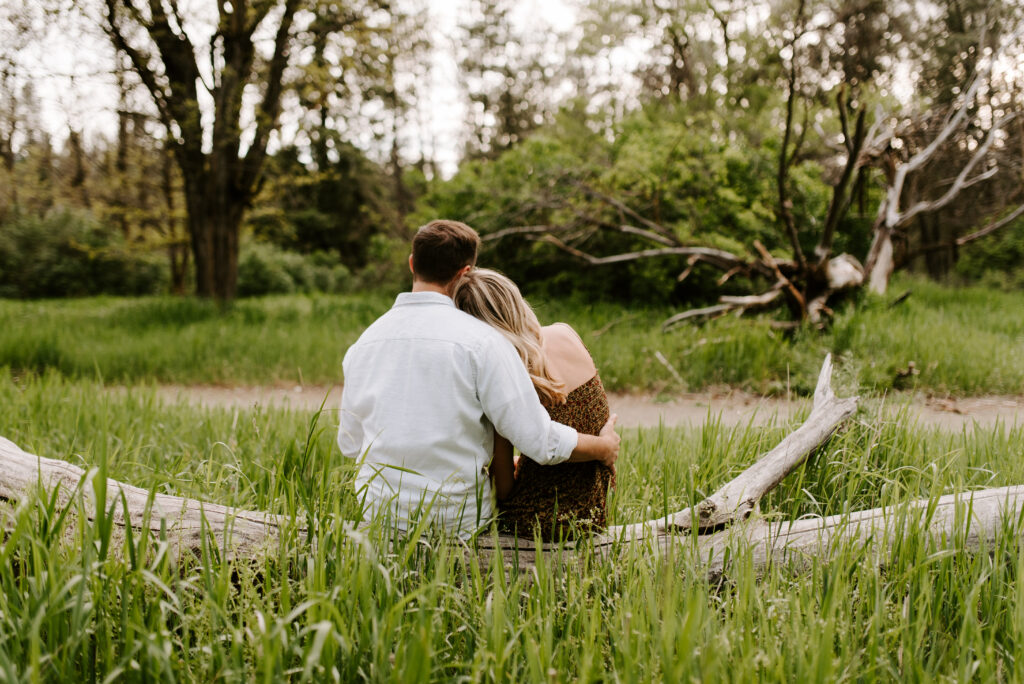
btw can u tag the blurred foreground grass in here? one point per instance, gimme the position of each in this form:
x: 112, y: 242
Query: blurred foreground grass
x: 965, y: 341
x: 339, y: 605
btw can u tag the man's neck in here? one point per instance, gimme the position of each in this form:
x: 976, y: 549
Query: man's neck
x: 421, y: 286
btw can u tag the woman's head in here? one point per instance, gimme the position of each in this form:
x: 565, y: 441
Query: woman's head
x: 495, y: 299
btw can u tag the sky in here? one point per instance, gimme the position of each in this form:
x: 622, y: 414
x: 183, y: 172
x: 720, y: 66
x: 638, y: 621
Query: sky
x: 71, y: 67
x: 70, y: 64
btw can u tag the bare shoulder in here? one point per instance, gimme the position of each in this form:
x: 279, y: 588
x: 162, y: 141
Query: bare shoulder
x: 567, y: 354
x: 562, y: 336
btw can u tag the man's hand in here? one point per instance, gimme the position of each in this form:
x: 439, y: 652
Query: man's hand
x: 603, y: 448
x: 612, y: 440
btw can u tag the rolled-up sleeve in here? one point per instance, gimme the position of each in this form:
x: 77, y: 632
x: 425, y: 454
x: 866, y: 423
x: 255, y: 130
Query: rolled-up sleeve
x: 510, y: 402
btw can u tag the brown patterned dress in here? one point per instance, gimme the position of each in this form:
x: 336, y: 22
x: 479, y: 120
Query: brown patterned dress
x: 561, y: 500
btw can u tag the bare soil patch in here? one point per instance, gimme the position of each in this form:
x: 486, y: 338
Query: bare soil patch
x: 646, y: 410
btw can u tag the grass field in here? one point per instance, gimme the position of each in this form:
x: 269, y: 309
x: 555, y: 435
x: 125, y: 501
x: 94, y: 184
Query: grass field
x: 961, y: 342
x: 338, y: 604
x: 342, y: 605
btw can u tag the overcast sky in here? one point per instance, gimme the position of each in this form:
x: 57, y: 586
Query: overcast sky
x: 71, y: 67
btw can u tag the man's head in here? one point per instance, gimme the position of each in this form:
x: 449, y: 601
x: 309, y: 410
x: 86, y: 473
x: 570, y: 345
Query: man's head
x: 443, y: 250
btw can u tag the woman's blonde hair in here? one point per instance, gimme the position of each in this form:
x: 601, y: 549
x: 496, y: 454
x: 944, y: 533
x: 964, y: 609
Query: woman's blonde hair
x: 495, y: 300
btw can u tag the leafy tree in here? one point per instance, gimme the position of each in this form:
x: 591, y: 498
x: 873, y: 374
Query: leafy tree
x: 220, y: 166
x: 335, y: 209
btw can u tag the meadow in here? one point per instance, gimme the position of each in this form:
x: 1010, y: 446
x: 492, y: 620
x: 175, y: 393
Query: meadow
x: 339, y: 604
x: 332, y: 602
x: 968, y: 341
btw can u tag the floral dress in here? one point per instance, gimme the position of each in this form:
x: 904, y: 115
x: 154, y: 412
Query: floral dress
x: 560, y: 501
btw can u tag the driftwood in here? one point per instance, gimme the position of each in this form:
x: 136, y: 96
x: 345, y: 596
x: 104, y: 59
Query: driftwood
x: 711, y: 528
x: 236, y: 532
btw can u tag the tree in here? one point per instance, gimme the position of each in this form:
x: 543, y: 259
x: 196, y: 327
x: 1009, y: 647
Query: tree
x: 897, y: 150
x: 508, y: 76
x: 220, y: 164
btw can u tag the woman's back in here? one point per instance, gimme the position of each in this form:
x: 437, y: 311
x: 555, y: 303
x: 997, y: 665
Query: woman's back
x: 558, y: 500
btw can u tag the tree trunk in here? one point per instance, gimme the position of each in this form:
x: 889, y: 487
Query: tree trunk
x: 214, y: 220
x: 238, y: 533
x: 880, y: 262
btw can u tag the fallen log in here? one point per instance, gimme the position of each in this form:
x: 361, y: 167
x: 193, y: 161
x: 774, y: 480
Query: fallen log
x: 707, y: 528
x: 965, y: 520
x: 237, y: 532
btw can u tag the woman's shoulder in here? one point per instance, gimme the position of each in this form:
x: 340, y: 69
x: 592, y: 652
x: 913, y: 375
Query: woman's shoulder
x: 568, y: 355
x: 561, y: 332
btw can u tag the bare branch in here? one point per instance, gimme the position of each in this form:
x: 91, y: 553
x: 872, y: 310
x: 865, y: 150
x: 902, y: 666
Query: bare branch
x: 962, y: 181
x: 785, y: 203
x: 651, y: 225
x: 990, y: 228
x: 840, y: 193
x: 767, y: 257
x: 717, y: 257
x: 270, y: 106
x: 715, y: 309
x: 523, y: 230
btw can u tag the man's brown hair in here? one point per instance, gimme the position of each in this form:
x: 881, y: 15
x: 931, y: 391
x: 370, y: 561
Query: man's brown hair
x: 441, y: 248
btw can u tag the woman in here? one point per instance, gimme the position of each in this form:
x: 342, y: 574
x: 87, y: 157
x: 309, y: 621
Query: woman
x: 552, y: 501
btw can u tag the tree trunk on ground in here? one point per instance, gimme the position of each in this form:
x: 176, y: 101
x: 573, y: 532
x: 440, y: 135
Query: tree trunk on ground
x: 969, y: 519
x: 238, y: 533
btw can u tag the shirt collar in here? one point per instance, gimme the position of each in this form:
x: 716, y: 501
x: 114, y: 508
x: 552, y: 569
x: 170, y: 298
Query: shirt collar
x: 408, y: 298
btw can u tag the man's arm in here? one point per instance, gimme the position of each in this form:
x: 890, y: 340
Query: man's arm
x: 604, y: 447
x: 510, y: 401
x: 350, y: 428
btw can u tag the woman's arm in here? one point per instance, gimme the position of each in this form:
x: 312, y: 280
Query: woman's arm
x: 503, y: 469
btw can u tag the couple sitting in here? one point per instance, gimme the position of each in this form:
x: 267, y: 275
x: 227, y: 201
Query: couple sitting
x: 440, y: 389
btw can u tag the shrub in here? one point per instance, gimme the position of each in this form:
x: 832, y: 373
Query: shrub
x: 266, y: 269
x: 68, y: 253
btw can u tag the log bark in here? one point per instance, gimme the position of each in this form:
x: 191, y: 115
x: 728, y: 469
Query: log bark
x: 237, y: 533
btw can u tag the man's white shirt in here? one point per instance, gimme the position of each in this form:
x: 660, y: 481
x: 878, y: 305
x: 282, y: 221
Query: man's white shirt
x: 426, y: 386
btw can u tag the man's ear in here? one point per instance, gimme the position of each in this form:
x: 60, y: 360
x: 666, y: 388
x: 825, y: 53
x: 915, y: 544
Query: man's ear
x: 450, y: 288
x: 410, y: 266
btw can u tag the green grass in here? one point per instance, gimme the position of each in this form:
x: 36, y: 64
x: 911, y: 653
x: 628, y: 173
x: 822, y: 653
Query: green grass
x: 344, y: 605
x: 967, y: 341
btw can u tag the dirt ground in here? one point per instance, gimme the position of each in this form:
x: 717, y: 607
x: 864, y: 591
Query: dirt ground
x: 732, y: 408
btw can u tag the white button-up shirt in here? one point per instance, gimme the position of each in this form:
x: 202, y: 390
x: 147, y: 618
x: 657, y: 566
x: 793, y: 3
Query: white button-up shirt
x: 426, y: 386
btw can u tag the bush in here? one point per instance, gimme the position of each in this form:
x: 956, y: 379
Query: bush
x: 670, y: 166
x: 266, y: 269
x: 68, y: 253
x: 997, y: 261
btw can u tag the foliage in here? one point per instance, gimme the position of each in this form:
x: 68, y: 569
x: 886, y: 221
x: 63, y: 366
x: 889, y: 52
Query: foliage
x: 339, y: 602
x: 675, y: 166
x: 334, y: 208
x: 265, y: 269
x: 997, y: 261
x: 68, y: 253
x: 301, y: 339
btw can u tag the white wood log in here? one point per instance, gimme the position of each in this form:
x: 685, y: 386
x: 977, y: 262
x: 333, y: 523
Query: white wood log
x: 237, y: 533
x: 738, y: 498
x: 965, y: 521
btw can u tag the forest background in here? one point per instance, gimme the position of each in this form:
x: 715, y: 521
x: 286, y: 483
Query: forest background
x: 721, y: 123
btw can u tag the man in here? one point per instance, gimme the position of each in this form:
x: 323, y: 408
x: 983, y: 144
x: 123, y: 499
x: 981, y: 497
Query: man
x: 426, y: 386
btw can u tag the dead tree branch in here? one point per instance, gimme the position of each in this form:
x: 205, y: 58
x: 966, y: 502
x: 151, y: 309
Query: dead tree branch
x: 238, y: 533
